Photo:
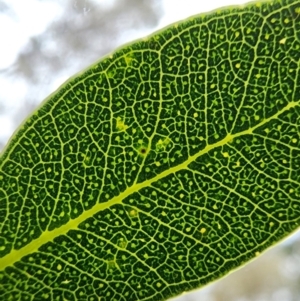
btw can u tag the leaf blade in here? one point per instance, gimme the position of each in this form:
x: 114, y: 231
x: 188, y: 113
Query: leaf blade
x: 150, y: 127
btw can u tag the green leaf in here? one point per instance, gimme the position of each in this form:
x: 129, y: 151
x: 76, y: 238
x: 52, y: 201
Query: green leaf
x: 160, y: 168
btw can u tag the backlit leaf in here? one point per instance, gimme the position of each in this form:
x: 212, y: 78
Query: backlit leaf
x: 160, y: 168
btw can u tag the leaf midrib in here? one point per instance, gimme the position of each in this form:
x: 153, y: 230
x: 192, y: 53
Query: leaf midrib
x: 16, y: 255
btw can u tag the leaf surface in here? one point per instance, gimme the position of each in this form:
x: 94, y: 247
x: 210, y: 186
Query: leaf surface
x: 160, y: 168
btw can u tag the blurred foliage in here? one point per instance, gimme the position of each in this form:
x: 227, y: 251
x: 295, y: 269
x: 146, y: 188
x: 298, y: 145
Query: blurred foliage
x: 84, y: 32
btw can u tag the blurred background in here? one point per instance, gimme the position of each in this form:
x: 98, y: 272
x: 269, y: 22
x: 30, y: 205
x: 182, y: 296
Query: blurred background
x: 43, y: 43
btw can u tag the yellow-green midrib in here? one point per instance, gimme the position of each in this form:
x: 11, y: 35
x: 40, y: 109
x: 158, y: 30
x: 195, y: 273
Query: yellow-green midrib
x: 16, y: 255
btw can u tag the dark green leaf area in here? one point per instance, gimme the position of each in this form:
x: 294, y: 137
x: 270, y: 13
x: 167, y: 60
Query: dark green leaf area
x: 159, y: 237
x: 144, y: 110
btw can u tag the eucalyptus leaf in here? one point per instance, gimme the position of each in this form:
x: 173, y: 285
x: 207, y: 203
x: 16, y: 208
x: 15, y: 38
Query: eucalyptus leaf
x: 160, y: 168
